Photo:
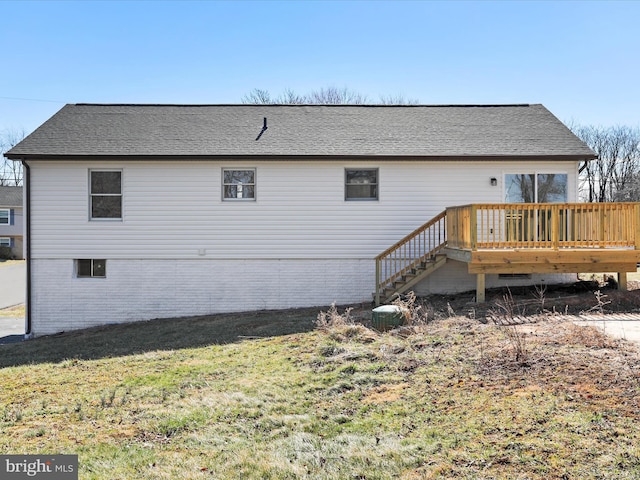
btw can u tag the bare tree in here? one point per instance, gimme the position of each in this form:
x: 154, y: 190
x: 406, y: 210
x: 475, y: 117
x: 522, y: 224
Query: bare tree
x: 258, y: 96
x: 631, y: 191
x: 615, y: 173
x: 397, y: 99
x: 336, y: 96
x: 10, y: 170
x: 323, y: 96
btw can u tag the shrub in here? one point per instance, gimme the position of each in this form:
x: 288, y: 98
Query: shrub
x: 414, y: 312
x: 6, y: 253
x: 333, y: 318
x: 509, y: 316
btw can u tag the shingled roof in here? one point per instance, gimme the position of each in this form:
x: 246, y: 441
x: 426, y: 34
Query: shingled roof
x: 10, y: 196
x: 309, y: 131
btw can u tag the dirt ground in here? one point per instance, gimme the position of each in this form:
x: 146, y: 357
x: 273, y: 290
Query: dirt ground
x: 583, y: 296
x: 574, y: 298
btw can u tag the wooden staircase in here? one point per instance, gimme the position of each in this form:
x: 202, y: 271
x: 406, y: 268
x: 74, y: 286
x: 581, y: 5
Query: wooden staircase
x: 412, y: 259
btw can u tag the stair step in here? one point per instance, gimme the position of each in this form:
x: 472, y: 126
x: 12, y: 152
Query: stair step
x: 388, y: 293
x: 434, y: 230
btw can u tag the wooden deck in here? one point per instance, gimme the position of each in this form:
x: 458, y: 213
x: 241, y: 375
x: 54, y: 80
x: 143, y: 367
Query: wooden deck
x: 517, y: 239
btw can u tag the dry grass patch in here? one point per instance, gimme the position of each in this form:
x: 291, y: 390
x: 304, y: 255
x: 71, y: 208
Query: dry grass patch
x: 384, y: 393
x: 7, y: 263
x: 13, y: 312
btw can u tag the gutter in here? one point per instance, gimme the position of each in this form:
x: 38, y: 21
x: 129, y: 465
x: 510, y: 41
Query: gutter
x: 27, y: 203
x: 299, y: 157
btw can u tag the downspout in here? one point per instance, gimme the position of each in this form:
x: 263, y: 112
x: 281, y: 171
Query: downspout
x: 27, y: 204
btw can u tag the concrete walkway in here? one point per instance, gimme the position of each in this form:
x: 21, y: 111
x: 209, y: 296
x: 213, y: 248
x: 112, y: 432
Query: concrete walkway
x: 11, y: 330
x: 13, y: 278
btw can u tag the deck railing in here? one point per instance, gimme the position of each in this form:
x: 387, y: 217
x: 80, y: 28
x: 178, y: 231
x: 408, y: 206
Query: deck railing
x: 544, y: 225
x: 417, y: 247
x: 550, y: 226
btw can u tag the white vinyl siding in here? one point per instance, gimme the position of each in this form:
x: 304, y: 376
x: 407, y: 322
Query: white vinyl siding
x: 175, y: 209
x: 14, y: 226
x: 181, y: 250
x: 11, y: 230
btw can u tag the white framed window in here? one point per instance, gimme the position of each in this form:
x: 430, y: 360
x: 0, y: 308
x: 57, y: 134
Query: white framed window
x: 536, y: 187
x: 91, y: 268
x: 105, y: 194
x: 5, y: 242
x: 239, y: 184
x: 361, y: 184
x: 5, y: 216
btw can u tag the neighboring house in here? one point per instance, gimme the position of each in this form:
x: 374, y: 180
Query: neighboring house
x: 11, y: 232
x: 138, y: 212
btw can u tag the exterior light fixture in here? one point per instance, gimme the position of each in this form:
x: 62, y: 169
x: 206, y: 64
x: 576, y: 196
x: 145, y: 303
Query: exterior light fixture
x: 494, y: 181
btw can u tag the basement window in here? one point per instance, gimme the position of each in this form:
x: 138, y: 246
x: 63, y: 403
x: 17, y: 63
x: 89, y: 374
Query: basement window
x: 513, y: 276
x: 91, y: 268
x: 361, y: 184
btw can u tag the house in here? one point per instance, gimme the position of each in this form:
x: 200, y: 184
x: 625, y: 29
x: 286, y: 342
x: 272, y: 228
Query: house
x: 138, y: 212
x: 11, y: 220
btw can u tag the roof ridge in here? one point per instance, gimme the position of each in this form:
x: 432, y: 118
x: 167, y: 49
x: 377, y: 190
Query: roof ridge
x: 367, y: 105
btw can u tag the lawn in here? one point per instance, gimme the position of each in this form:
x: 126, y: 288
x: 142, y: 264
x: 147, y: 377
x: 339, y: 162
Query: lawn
x: 13, y: 312
x: 7, y: 263
x: 268, y: 395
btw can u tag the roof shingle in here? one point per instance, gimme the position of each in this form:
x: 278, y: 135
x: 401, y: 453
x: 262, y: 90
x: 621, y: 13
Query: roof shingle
x: 302, y: 130
x: 10, y: 196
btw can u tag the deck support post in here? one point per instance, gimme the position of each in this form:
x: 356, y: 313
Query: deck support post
x: 480, y: 293
x: 378, y: 275
x: 622, y: 281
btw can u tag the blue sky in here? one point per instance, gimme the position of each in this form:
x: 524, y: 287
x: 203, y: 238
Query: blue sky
x: 580, y: 59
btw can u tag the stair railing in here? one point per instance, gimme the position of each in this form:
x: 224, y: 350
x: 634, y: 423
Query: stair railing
x: 419, y: 246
